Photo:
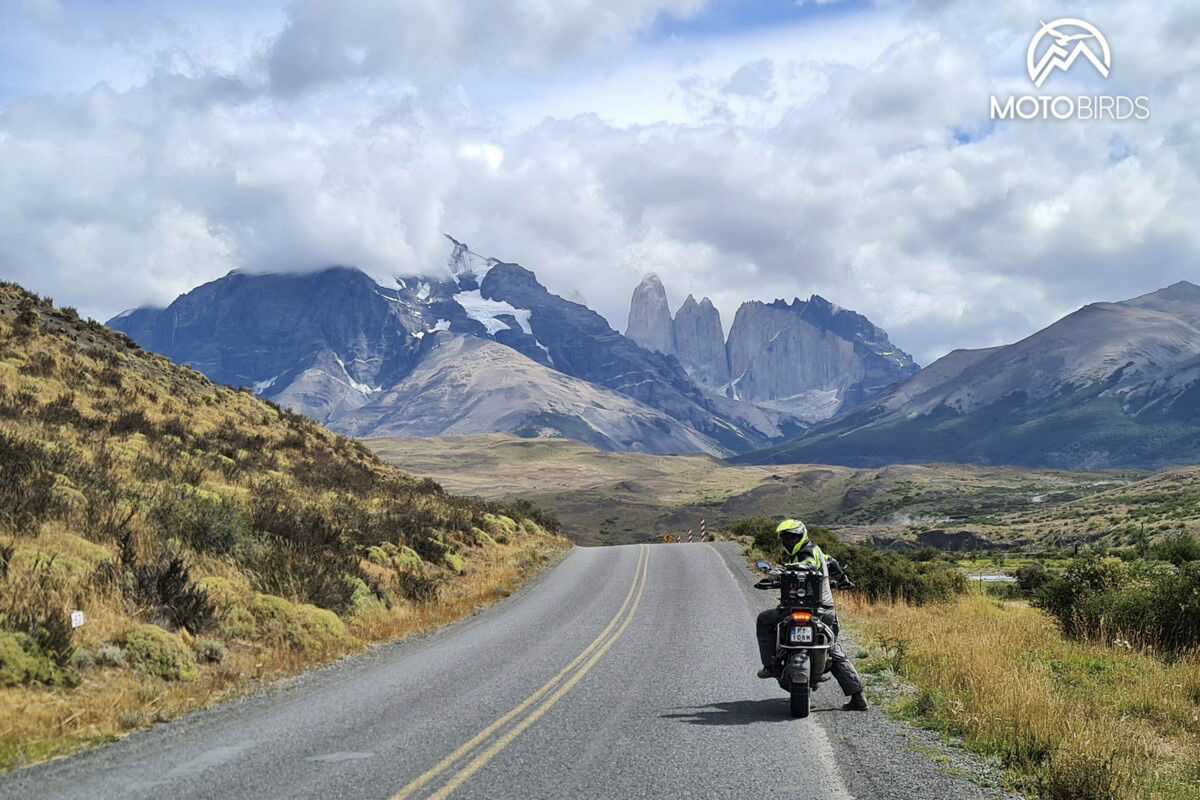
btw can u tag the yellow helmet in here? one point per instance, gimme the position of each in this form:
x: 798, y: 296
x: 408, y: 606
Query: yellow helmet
x: 796, y: 528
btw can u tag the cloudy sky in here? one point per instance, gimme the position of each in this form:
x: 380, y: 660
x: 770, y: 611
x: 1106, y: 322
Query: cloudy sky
x: 748, y: 149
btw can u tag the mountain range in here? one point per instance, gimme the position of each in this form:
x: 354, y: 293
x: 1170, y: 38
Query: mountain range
x: 810, y: 358
x: 1110, y: 385
x: 483, y: 348
x: 486, y: 348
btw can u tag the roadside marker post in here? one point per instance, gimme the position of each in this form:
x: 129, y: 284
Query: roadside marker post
x: 702, y: 531
x: 689, y: 537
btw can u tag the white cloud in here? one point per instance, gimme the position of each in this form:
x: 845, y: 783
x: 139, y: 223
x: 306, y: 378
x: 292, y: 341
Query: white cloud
x: 432, y: 40
x: 860, y: 166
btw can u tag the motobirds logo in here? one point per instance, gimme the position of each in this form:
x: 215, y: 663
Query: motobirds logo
x: 1060, y: 45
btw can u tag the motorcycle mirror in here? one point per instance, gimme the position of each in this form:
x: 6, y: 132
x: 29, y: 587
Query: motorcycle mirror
x: 764, y: 566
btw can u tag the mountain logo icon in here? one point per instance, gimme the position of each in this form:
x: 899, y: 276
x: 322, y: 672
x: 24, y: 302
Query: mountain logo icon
x: 1061, y: 43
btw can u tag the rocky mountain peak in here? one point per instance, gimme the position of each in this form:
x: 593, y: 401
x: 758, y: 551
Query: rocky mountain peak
x: 698, y: 341
x: 649, y: 316
x: 1182, y: 297
x: 464, y: 263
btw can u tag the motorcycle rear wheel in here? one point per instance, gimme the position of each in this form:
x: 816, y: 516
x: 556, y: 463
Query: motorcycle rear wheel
x: 799, y: 700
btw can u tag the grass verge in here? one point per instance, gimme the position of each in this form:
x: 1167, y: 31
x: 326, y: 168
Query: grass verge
x: 1068, y: 720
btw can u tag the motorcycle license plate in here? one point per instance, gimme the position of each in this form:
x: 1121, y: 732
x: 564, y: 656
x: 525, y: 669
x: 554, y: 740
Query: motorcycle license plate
x: 803, y: 635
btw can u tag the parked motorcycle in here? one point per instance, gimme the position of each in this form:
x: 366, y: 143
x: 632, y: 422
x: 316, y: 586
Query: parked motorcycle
x: 803, y: 638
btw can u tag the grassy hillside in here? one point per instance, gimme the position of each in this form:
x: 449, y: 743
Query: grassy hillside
x: 615, y: 497
x: 212, y: 540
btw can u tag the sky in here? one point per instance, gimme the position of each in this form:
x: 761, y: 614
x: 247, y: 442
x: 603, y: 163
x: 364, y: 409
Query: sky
x: 741, y: 150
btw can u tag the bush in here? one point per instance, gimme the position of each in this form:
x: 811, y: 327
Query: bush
x: 1178, y: 549
x: 523, y: 509
x: 206, y: 522
x: 210, y: 651
x: 416, y: 585
x: 275, y: 621
x: 152, y: 650
x: 110, y: 655
x: 166, y: 586
x: 27, y: 473
x: 22, y: 661
x: 1030, y: 577
x: 316, y: 576
x: 128, y: 422
x: 1142, y: 602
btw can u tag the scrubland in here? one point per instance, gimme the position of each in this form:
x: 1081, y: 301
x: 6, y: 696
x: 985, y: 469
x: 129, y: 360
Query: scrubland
x: 214, y: 542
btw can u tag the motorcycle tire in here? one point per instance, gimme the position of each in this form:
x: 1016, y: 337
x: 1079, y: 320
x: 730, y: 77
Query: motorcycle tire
x: 800, y: 700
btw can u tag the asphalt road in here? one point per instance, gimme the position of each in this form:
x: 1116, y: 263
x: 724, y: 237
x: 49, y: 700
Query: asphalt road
x: 624, y: 672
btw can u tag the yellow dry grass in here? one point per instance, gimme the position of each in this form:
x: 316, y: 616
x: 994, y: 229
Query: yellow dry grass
x: 39, y: 722
x: 120, y: 499
x: 1070, y: 720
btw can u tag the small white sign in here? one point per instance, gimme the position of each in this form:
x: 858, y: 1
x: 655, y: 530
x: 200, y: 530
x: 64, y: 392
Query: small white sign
x: 76, y: 619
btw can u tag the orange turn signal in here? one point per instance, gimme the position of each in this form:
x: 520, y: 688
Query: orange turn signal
x: 801, y: 616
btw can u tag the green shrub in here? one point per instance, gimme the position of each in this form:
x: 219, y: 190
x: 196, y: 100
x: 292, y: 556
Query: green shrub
x: 210, y: 651
x: 1144, y: 602
x: 499, y: 525
x: 456, y: 563
x: 275, y: 621
x: 1030, y: 577
x: 522, y: 509
x: 365, y: 601
x: 22, y: 661
x: 482, y: 537
x: 110, y: 655
x: 1178, y: 549
x: 207, y: 522
x: 154, y: 651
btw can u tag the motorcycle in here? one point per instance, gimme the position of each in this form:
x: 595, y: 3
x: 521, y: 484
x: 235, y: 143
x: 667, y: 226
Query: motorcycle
x: 803, y: 639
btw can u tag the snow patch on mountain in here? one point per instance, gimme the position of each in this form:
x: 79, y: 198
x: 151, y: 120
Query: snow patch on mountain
x: 487, y: 311
x: 262, y: 386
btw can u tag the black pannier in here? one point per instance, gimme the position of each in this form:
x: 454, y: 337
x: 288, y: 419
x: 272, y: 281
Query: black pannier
x: 800, y: 588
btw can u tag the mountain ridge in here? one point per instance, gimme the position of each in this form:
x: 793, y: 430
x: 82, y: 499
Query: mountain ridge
x: 1112, y: 384
x: 330, y: 342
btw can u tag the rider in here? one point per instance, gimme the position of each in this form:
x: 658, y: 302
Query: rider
x: 794, y: 536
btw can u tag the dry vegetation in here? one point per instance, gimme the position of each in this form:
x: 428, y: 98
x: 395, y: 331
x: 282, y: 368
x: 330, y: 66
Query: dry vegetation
x: 611, y: 498
x: 1070, y: 720
x: 214, y: 541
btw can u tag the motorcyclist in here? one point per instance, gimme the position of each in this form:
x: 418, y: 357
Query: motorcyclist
x: 802, y: 550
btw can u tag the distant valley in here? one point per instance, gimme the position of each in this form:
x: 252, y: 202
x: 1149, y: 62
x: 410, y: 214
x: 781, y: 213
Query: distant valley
x: 608, y: 498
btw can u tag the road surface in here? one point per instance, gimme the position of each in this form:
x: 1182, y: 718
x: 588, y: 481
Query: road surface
x: 624, y: 672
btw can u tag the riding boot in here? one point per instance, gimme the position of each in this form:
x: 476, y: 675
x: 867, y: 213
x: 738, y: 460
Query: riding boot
x: 857, y: 703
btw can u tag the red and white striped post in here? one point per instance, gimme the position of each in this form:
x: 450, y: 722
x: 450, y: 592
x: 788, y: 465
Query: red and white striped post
x: 702, y: 533
x: 689, y: 536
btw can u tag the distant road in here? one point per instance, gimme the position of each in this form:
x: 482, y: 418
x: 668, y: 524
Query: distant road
x: 625, y: 672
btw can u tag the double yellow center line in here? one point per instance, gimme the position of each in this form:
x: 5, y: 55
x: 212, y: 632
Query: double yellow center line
x: 556, y: 687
